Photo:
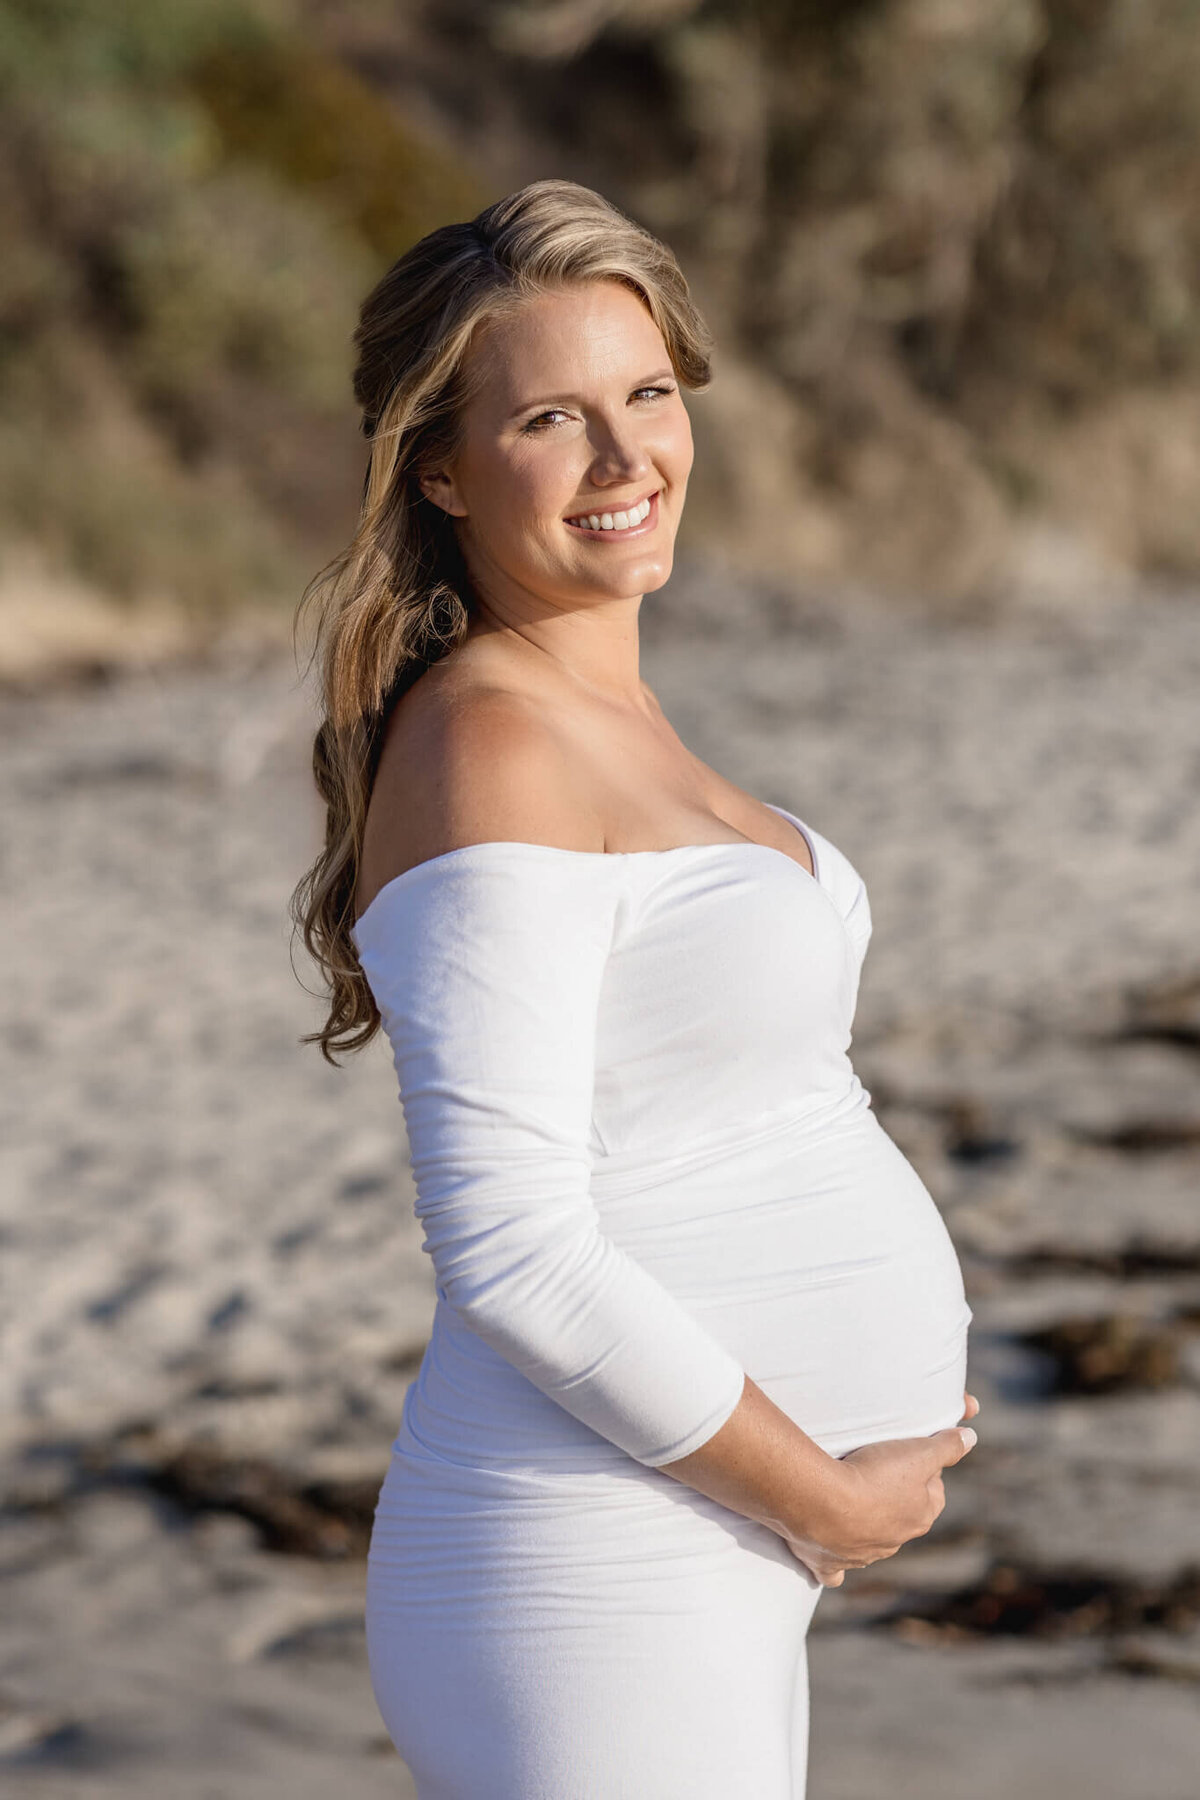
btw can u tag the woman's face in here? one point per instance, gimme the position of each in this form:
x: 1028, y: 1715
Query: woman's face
x: 577, y: 417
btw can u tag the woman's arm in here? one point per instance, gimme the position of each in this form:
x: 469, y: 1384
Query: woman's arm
x: 835, y: 1513
x: 487, y: 965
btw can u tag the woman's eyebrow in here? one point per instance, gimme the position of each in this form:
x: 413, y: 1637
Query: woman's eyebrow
x: 574, y: 399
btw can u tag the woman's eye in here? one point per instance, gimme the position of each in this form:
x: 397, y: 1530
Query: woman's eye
x: 656, y: 390
x: 537, y: 425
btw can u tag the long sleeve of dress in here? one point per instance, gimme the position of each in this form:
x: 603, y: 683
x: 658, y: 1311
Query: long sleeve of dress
x: 487, y: 965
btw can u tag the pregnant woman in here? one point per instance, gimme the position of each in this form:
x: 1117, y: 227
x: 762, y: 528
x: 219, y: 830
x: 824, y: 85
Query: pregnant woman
x: 700, y: 1336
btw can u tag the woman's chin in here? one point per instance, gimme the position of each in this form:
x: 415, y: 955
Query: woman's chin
x: 636, y: 575
x: 657, y: 576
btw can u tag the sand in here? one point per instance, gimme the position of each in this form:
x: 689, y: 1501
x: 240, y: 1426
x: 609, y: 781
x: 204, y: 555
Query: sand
x: 217, y: 1295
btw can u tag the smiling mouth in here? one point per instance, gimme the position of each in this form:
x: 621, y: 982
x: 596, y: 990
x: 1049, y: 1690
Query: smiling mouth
x: 615, y: 523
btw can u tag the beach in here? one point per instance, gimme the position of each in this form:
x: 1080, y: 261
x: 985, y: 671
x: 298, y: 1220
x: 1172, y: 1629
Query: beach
x: 217, y: 1294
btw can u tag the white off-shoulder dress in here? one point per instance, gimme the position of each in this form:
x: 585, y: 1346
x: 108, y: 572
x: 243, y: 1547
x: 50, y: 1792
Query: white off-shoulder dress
x: 644, y: 1167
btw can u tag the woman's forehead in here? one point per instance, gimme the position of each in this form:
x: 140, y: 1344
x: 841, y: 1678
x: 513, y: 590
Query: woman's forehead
x: 591, y: 331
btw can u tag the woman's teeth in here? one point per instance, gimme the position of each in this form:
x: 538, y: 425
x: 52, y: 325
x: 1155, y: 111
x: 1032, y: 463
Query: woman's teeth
x: 618, y: 521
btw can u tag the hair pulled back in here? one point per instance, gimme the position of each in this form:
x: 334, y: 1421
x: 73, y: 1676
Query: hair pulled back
x: 398, y: 598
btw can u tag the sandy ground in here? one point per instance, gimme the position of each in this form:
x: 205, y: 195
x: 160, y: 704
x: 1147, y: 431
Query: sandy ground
x: 216, y: 1293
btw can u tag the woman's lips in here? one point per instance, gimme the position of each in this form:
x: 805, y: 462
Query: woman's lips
x: 614, y: 533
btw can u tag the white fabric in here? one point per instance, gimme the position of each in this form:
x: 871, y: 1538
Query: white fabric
x: 644, y: 1167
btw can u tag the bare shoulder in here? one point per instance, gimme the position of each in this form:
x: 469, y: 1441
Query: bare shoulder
x: 471, y: 762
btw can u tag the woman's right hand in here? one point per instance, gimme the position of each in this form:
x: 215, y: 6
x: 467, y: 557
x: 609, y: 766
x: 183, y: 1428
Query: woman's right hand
x: 887, y: 1493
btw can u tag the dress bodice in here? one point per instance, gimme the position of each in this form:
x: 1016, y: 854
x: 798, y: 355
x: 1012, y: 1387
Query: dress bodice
x: 640, y: 1148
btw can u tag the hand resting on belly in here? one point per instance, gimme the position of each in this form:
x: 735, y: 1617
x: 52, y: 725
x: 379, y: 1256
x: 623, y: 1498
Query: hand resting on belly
x: 833, y: 1513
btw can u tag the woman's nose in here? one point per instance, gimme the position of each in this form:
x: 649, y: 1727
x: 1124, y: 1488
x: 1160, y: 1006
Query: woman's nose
x: 621, y: 457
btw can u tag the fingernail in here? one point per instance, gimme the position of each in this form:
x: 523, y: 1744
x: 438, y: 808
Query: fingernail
x: 969, y: 1437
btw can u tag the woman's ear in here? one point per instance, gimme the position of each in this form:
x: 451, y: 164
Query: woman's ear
x: 438, y: 486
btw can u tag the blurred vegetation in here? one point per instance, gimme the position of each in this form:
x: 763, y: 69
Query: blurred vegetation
x: 951, y: 249
x: 192, y: 204
x: 957, y: 242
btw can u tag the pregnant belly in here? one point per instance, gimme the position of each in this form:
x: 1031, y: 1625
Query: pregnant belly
x: 818, y: 1257
x: 823, y: 1263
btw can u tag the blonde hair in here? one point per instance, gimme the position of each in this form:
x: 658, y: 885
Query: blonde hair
x: 398, y: 598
